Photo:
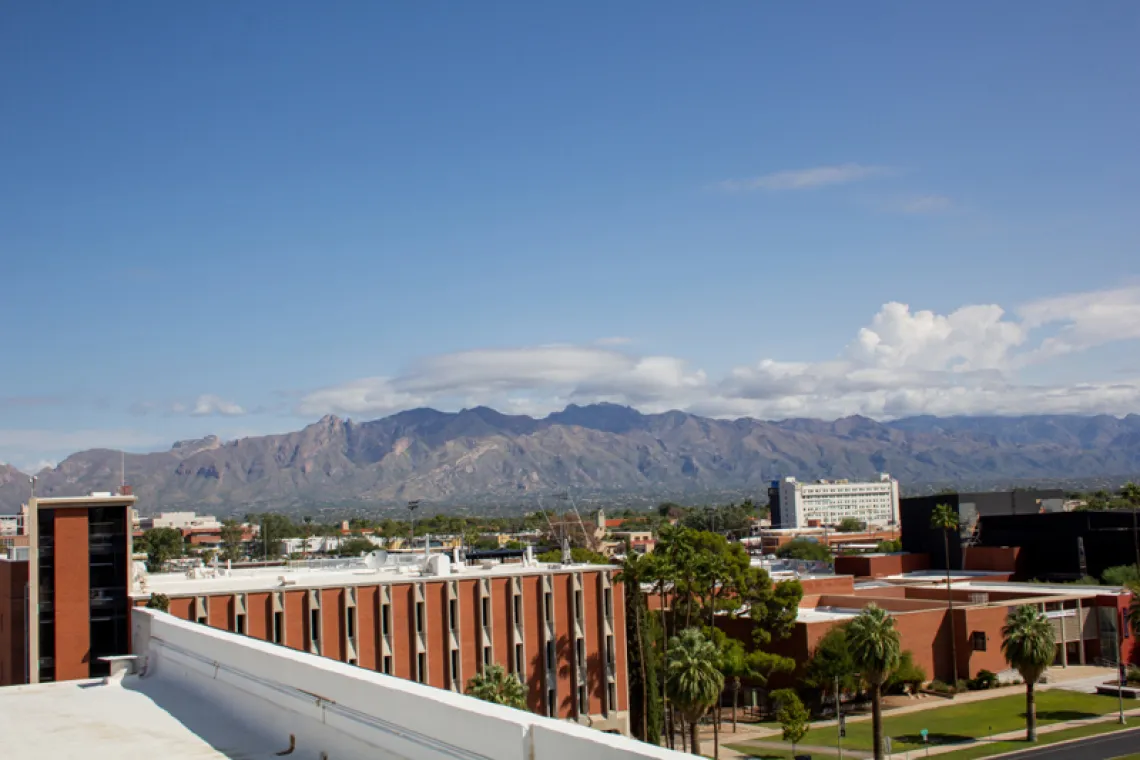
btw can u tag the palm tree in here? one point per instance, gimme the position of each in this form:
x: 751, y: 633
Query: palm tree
x: 496, y: 685
x: 634, y: 571
x: 693, y: 679
x: 1028, y: 646
x: 945, y: 519
x: 876, y: 651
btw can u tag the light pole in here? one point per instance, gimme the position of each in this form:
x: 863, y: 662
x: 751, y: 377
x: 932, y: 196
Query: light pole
x: 838, y: 721
x: 1121, y: 672
x: 412, y: 507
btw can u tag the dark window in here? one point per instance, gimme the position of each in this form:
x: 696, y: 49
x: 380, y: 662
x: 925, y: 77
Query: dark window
x: 520, y: 665
x: 583, y: 701
x: 611, y: 693
x: 351, y: 662
x: 608, y: 602
x: 385, y: 619
x: 550, y: 656
x: 421, y: 667
x: 388, y: 664
x: 453, y: 613
x: 239, y: 624
x: 486, y: 655
x: 278, y: 627
x: 419, y: 617
x: 580, y: 652
x: 486, y: 611
x: 611, y: 660
x: 350, y: 623
x: 45, y: 524
x: 518, y: 610
x: 548, y: 604
x: 978, y: 639
x: 315, y: 624
x: 454, y: 667
x: 578, y: 607
x: 551, y: 700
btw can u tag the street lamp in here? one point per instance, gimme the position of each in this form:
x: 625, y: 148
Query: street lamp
x: 412, y: 507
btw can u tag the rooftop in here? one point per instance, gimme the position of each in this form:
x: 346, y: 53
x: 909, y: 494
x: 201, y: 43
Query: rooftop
x: 204, y: 693
x: 378, y: 567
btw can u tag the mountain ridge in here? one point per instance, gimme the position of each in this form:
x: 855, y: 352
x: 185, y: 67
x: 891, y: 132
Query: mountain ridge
x: 480, y: 455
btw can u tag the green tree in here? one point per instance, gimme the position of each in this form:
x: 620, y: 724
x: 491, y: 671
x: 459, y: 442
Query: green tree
x: 889, y: 546
x: 232, y: 536
x: 875, y: 650
x: 1121, y: 575
x: 645, y: 707
x: 1028, y: 646
x: 945, y: 519
x: 792, y: 716
x: 163, y: 545
x: 578, y: 555
x: 831, y: 660
x: 693, y: 680
x: 496, y: 685
x: 160, y: 602
x: 355, y: 546
x: 908, y: 675
x: 805, y: 549
x: 850, y: 525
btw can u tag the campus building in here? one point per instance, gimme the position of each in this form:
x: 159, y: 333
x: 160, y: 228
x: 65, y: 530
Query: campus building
x: 828, y: 502
x: 559, y: 628
x: 1087, y: 620
x: 425, y: 618
x: 187, y: 692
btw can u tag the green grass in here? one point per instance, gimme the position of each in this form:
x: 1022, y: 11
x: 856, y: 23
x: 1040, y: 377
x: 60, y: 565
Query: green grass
x: 970, y: 720
x: 970, y: 753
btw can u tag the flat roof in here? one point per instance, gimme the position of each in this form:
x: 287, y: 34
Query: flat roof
x: 822, y: 614
x: 91, y: 500
x: 322, y: 574
x: 136, y: 718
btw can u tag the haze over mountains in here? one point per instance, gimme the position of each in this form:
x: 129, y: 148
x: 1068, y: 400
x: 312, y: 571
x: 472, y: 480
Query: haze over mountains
x: 479, y: 456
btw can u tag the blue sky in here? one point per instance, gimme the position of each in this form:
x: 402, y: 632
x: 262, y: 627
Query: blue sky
x: 235, y: 218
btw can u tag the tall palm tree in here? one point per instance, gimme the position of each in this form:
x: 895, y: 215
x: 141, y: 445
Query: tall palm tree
x: 876, y: 651
x: 1028, y: 646
x: 634, y: 571
x: 945, y: 519
x: 694, y: 681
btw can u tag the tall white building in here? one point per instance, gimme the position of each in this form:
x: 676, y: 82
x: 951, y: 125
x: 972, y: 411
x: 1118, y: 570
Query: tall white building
x: 798, y: 505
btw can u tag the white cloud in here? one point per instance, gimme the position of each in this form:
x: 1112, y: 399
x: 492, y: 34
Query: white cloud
x: 209, y: 404
x: 903, y: 362
x: 804, y: 179
x: 614, y: 340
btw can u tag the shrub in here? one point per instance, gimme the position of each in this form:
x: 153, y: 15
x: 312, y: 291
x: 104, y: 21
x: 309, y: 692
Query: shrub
x: 908, y: 676
x: 986, y: 679
x: 963, y: 685
x: 939, y: 687
x: 1132, y: 675
x: 160, y: 602
x: 802, y: 548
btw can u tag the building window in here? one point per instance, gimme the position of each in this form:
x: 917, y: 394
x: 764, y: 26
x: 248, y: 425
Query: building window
x: 351, y: 661
x: 578, y: 609
x: 278, y: 627
x: 486, y: 621
x: 350, y: 623
x: 387, y: 664
x: 978, y: 639
x: 611, y: 660
x: 551, y: 657
x: 486, y: 656
x: 551, y: 700
x: 608, y: 602
x: 548, y: 606
x: 385, y: 619
x: 239, y: 623
x: 453, y: 613
x: 520, y: 664
x: 583, y: 701
x: 315, y: 625
x: 455, y: 668
x: 518, y: 610
x: 419, y: 617
x: 421, y: 667
x: 611, y: 697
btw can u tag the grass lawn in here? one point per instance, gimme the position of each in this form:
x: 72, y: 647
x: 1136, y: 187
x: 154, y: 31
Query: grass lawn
x: 970, y: 753
x: 970, y: 720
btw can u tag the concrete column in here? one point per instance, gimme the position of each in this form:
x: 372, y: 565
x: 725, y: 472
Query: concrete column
x: 1064, y: 639
x: 1080, y: 633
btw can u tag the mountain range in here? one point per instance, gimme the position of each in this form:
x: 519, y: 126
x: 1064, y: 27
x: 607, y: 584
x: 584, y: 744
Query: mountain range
x: 603, y: 451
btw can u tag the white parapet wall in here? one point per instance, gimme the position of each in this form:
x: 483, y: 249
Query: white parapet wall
x: 326, y: 706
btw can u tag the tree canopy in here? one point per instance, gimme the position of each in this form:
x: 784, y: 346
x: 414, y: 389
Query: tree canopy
x: 806, y: 549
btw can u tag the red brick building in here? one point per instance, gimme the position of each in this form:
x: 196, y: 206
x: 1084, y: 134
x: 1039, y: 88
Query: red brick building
x: 560, y: 628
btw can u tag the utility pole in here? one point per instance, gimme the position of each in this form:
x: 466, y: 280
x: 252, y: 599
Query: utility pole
x: 412, y: 507
x: 1121, y: 672
x: 838, y: 721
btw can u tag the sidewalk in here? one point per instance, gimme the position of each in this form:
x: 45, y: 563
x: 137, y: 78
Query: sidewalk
x: 730, y: 754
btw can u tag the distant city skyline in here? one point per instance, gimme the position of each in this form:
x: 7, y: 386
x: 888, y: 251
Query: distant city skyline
x: 235, y: 220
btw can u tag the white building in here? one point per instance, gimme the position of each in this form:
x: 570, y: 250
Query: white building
x: 181, y: 521
x: 828, y: 502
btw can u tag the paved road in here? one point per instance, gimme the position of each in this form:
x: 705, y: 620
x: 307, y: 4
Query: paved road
x: 1094, y: 748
